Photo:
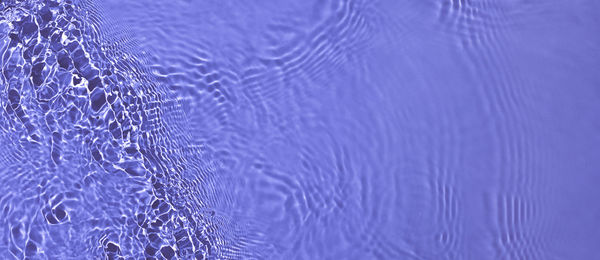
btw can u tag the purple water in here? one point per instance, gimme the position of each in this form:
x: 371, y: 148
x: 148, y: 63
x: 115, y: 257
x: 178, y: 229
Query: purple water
x: 352, y: 129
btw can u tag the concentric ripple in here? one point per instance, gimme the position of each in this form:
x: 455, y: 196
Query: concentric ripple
x: 334, y: 129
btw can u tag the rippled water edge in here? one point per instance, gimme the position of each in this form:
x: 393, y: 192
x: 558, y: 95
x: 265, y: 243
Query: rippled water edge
x: 101, y: 171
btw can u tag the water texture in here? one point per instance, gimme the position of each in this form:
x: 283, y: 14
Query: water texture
x: 348, y: 129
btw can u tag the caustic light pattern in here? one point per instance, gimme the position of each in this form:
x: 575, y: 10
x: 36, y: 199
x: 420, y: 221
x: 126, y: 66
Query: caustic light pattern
x: 341, y: 129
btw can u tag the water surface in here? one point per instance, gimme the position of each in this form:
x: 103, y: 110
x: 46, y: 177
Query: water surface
x: 352, y: 129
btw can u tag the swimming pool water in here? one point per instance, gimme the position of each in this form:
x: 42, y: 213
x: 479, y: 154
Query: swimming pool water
x: 343, y: 129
